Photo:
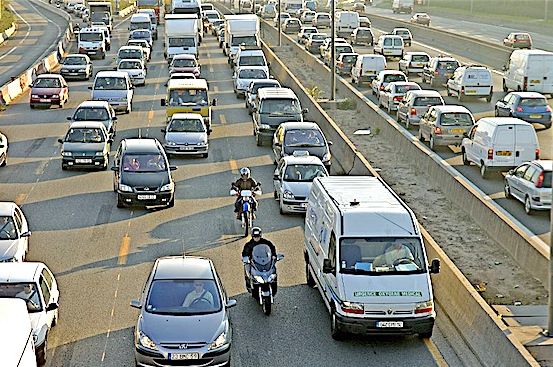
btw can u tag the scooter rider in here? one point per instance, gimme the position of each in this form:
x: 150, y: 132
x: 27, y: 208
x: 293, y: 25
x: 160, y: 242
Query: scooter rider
x: 245, y: 182
x: 248, y: 247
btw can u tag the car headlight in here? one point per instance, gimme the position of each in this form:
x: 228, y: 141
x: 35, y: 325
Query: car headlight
x: 169, y: 187
x: 326, y: 157
x: 272, y: 277
x: 99, y: 154
x: 125, y: 188
x: 146, y: 342
x: 352, y: 307
x: 424, y: 307
x: 264, y: 126
x: 219, y: 342
x: 67, y: 154
x: 34, y: 95
x: 81, y: 71
x: 288, y: 195
x: 259, y: 279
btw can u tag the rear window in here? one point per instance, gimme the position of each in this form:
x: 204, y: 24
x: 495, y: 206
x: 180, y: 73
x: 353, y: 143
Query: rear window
x: 398, y: 42
x: 364, y: 32
x: 452, y: 118
x: 388, y: 78
x: 533, y: 102
x: 427, y: 101
x: 505, y: 135
x: 323, y: 17
x: 402, y: 33
x: 343, y: 49
x: 522, y: 37
x: 387, y: 42
x: 420, y: 58
x: 402, y: 89
x: 448, y: 65
x: 546, y: 179
x: 349, y: 58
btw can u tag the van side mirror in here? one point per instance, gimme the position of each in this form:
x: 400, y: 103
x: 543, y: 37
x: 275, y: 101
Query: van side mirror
x: 435, y: 266
x: 231, y: 303
x: 162, y: 130
x: 114, y: 118
x: 276, y: 177
x: 330, y: 143
x: 90, y: 88
x: 173, y: 168
x: 163, y: 101
x: 279, y: 257
x: 327, y: 266
x: 214, y: 102
x: 68, y: 118
x: 25, y: 234
x: 52, y: 306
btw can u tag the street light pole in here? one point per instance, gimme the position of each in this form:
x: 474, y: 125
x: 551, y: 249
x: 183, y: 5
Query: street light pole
x: 333, y: 51
x: 549, y: 331
x: 279, y: 27
x: 546, y: 9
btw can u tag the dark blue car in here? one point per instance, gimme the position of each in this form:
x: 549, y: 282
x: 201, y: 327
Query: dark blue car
x: 528, y: 106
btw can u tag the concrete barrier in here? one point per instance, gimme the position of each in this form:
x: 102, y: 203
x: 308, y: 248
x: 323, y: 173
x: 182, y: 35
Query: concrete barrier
x: 128, y: 10
x: 4, y: 36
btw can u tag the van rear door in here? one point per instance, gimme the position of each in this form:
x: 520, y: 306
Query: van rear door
x: 478, y: 83
x: 526, y: 143
x: 504, y: 146
x: 540, y: 73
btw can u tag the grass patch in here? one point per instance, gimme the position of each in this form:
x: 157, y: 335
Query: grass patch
x: 7, y: 17
x: 346, y: 104
x: 314, y: 91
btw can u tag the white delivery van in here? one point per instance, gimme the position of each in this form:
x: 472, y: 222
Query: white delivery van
x: 500, y: 143
x: 367, y: 67
x: 403, y: 6
x: 92, y: 42
x: 346, y: 23
x: 529, y: 70
x: 365, y: 252
x: 181, y: 36
x: 471, y: 81
x: 140, y: 21
x: 17, y: 348
x: 390, y: 46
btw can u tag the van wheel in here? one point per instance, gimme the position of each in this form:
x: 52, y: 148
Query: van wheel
x: 460, y: 97
x: 334, y: 329
x: 41, y: 354
x: 505, y: 89
x: 489, y: 98
x: 466, y: 162
x: 308, y: 277
x: 258, y: 140
x: 483, y: 171
x: 527, y: 205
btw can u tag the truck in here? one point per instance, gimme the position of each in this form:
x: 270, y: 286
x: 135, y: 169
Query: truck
x: 186, y: 7
x: 291, y: 6
x: 101, y: 11
x: 181, y: 35
x: 346, y: 23
x: 242, y: 29
x: 403, y: 6
x: 151, y: 4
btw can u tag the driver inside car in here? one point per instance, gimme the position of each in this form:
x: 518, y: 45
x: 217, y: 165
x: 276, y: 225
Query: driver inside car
x: 396, y: 251
x: 197, y: 295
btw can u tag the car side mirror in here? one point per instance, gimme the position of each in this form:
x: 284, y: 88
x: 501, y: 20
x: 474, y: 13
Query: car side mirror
x: 25, y: 234
x: 214, y: 102
x: 115, y: 168
x: 165, y: 84
x: 504, y: 68
x: 277, y: 144
x: 162, y: 130
x: 110, y: 141
x: 327, y: 266
x: 90, y: 88
x: 69, y: 118
x: 60, y: 141
x: 276, y: 177
x: 163, y: 102
x: 135, y: 304
x: 279, y: 257
x: 231, y: 303
x: 173, y: 168
x: 305, y: 110
x: 114, y: 118
x: 330, y: 143
x: 435, y: 266
x: 114, y: 68
x: 52, y: 306
x: 511, y: 172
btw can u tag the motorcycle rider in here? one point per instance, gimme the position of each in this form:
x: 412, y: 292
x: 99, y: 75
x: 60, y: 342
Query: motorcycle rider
x: 245, y: 182
x: 247, y: 252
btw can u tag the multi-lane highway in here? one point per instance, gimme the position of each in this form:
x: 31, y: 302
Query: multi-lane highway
x: 101, y: 255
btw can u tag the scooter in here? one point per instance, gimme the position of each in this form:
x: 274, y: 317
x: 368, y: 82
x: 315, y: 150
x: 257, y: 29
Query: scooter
x: 246, y: 206
x: 261, y: 276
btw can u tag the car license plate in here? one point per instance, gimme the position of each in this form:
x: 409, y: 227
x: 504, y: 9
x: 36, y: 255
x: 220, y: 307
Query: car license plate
x: 146, y: 197
x: 186, y: 148
x: 534, y: 81
x: 456, y: 130
x: 470, y: 91
x: 183, y: 356
x: 368, y: 73
x: 535, y: 116
x: 504, y: 153
x: 448, y: 74
x: 389, y: 324
x: 83, y: 160
x: 45, y: 100
x: 418, y: 65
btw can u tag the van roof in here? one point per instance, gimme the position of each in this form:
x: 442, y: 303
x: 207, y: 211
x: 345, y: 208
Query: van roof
x: 19, y: 272
x: 187, y: 84
x: 140, y: 16
x: 269, y: 93
x: 533, y: 52
x: 374, y: 209
x: 497, y: 121
x: 15, y: 318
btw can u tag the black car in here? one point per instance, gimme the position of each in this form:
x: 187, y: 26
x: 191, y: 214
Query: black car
x: 439, y: 69
x: 86, y: 145
x: 142, y: 175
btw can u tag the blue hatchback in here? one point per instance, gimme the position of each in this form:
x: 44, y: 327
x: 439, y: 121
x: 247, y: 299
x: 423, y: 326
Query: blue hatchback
x: 528, y: 106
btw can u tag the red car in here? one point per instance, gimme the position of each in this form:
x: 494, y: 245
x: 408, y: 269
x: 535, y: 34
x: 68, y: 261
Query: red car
x: 518, y: 40
x: 185, y: 64
x: 48, y: 90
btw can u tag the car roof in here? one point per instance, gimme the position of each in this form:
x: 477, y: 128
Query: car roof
x: 86, y: 124
x: 141, y: 145
x: 113, y: 74
x: 187, y: 116
x: 129, y: 47
x: 47, y: 76
x: 300, y: 125
x: 183, y: 267
x: 348, y: 54
x: 426, y: 93
x: 104, y: 104
x: 75, y: 55
x: 6, y: 207
x: 184, y: 56
x: 307, y: 159
x: 528, y: 94
x: 384, y: 72
x: 451, y: 108
x: 546, y: 164
x: 19, y: 272
x: 266, y: 93
x: 416, y: 53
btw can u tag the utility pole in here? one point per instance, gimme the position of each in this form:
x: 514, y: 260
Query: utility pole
x: 333, y: 51
x: 471, y: 5
x: 279, y: 27
x: 549, y: 331
x: 546, y: 9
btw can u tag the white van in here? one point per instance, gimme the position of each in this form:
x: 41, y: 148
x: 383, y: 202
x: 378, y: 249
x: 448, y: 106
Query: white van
x: 471, y: 81
x: 529, y: 70
x: 140, y: 21
x: 389, y: 45
x: 365, y: 252
x: 367, y: 67
x: 114, y: 87
x: 16, y: 346
x: 346, y: 23
x: 403, y: 6
x: 92, y: 42
x: 500, y: 143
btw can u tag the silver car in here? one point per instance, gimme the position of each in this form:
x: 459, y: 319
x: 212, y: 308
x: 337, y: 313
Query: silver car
x: 415, y: 104
x: 445, y: 125
x: 530, y: 183
x: 186, y: 134
x: 394, y: 93
x: 181, y: 293
x: 76, y: 66
x: 251, y: 92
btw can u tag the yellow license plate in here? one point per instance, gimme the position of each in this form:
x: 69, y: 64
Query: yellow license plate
x: 535, y: 116
x: 503, y: 153
x: 470, y: 92
x: 534, y: 81
x: 448, y: 74
x: 387, y: 52
x: 456, y: 130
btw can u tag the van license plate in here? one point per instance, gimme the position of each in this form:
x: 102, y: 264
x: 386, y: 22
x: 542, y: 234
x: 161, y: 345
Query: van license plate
x: 45, y: 100
x: 503, y: 153
x: 470, y: 91
x: 456, y: 130
x: 389, y: 324
x: 534, y: 81
x: 183, y: 356
x: 535, y: 116
x: 146, y: 197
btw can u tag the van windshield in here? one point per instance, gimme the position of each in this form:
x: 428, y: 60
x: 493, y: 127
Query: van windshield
x: 26, y: 291
x: 91, y: 37
x: 245, y: 40
x: 280, y: 107
x: 377, y: 255
x: 187, y: 97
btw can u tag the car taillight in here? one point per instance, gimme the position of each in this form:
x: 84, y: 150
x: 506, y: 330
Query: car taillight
x: 548, y: 109
x: 537, y: 154
x: 525, y: 84
x: 410, y: 64
x: 539, y: 184
x: 436, y: 73
x: 413, y: 112
x: 81, y: 49
x: 490, y: 154
x: 341, y: 63
x: 438, y: 130
x: 462, y: 90
x: 100, y: 49
x: 398, y: 98
x: 519, y: 109
x: 382, y: 87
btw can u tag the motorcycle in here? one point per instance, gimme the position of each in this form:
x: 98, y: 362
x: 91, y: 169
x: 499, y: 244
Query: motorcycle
x: 246, y: 207
x: 262, y: 276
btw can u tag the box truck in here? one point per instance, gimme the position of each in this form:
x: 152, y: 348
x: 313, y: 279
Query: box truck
x: 181, y: 35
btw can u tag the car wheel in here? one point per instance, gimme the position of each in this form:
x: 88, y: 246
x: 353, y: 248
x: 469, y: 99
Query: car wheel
x: 407, y: 124
x: 41, y: 354
x: 280, y: 210
x: 426, y: 335
x: 120, y: 203
x: 496, y: 112
x: 483, y: 171
x: 507, y: 191
x: 308, y: 277
x: 431, y: 83
x: 466, y: 161
x: 527, y: 205
x: 432, y: 143
x: 258, y: 140
x: 172, y: 202
x: 105, y: 165
x: 389, y: 108
x: 460, y: 97
x: 205, y: 155
x: 5, y: 162
x: 334, y: 329
x: 32, y: 107
x: 505, y: 89
x: 64, y: 167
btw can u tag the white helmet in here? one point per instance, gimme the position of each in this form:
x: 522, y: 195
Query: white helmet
x: 245, y: 173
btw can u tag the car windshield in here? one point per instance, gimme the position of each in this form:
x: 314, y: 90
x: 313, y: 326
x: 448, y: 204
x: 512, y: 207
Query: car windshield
x: 74, y: 60
x: 388, y: 78
x: 252, y: 74
x: 186, y: 126
x: 85, y: 135
x: 187, y: 97
x: 303, y: 172
x: 244, y: 40
x: 304, y: 138
x: 280, y: 106
x: 448, y: 65
x: 252, y: 61
x: 144, y: 163
x: 377, y: 255
x: 532, y: 102
x: 47, y: 83
x: 130, y: 65
x: 181, y: 42
x: 110, y: 83
x: 184, y: 63
x: 140, y: 43
x: 183, y: 297
x: 256, y: 86
x: 318, y: 37
x: 140, y: 35
x: 91, y: 114
x: 28, y: 292
x: 91, y: 37
x: 402, y: 89
x: 453, y: 118
x: 7, y: 228
x: 419, y: 58
x: 130, y: 54
x: 427, y: 101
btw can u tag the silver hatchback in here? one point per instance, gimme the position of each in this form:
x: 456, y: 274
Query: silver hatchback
x: 445, y: 125
x: 530, y: 183
x: 181, y: 293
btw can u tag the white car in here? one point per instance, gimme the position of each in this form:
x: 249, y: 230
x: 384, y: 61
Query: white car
x: 34, y: 283
x: 414, y: 62
x: 145, y: 47
x: 3, y: 150
x: 386, y: 77
x: 136, y: 70
x: 14, y: 233
x: 245, y: 75
x: 393, y: 94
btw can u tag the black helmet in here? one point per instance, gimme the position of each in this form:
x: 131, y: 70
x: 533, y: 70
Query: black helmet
x: 256, y: 232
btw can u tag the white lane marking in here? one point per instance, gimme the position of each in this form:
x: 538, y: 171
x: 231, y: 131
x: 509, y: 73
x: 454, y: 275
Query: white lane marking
x: 29, y: 27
